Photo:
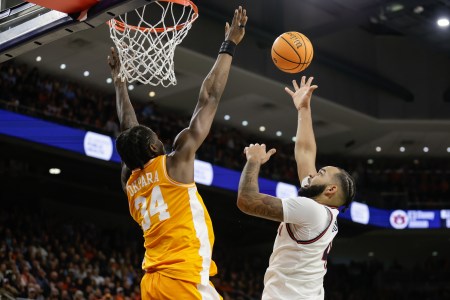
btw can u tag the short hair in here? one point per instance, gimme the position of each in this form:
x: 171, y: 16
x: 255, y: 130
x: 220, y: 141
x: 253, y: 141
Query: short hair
x: 347, y: 183
x: 133, y: 146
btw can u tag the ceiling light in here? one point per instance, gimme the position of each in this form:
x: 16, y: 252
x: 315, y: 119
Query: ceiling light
x: 294, y: 138
x: 370, y: 161
x: 395, y: 7
x: 86, y: 73
x: 152, y: 94
x: 226, y: 117
x: 426, y: 149
x: 370, y: 254
x: 262, y: 128
x: 378, y: 149
x: 54, y: 171
x: 279, y: 133
x: 108, y: 80
x: 402, y: 149
x: 38, y: 58
x: 418, y: 9
x: 244, y: 123
x: 448, y: 149
x: 434, y: 253
x: 443, y: 22
x: 131, y: 87
x: 62, y: 66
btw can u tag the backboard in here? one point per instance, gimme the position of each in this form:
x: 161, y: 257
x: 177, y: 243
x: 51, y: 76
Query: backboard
x: 25, y: 26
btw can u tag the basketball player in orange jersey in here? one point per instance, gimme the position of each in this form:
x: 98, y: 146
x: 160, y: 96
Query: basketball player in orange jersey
x: 162, y: 195
x: 308, y: 226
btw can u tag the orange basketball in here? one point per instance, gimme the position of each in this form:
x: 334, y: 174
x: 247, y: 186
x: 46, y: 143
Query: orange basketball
x: 292, y: 52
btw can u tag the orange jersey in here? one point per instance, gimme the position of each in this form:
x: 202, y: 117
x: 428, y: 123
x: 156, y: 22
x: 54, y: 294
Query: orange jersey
x: 178, y: 233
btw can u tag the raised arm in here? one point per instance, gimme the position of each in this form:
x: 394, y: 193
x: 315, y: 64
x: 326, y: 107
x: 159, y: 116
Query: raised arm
x: 250, y: 200
x: 305, y: 143
x: 125, y: 110
x: 190, y: 139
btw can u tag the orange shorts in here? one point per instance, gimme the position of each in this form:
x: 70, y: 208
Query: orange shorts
x: 155, y: 286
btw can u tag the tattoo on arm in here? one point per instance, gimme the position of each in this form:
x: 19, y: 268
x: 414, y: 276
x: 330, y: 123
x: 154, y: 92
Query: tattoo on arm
x: 251, y: 201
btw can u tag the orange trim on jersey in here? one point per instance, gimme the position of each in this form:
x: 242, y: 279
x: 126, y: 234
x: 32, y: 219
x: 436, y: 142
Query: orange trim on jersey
x: 172, y: 180
x: 291, y: 234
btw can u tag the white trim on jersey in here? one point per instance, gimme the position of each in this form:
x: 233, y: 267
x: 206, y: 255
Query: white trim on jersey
x: 208, y: 292
x: 201, y: 230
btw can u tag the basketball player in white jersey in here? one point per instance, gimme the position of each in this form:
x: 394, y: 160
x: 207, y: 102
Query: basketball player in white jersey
x: 308, y: 222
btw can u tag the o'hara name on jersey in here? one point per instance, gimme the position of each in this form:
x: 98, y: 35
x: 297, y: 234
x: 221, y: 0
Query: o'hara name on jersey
x: 142, y: 181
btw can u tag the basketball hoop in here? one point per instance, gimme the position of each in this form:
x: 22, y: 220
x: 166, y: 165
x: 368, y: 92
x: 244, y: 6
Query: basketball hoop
x: 146, y: 50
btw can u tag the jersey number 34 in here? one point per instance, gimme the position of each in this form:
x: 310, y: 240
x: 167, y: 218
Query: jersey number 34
x: 157, y: 206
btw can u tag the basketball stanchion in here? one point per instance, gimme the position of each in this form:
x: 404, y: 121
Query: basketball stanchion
x: 146, y: 50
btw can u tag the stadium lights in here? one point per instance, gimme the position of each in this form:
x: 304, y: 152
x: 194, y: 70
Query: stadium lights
x: 370, y: 161
x: 54, y: 171
x: 378, y: 149
x: 108, y: 80
x: 418, y: 9
x: 86, y: 73
x: 38, y: 58
x: 443, y: 22
x: 244, y: 123
x: 426, y: 149
x: 227, y: 117
x: 62, y: 66
x: 131, y: 87
x: 152, y: 94
x: 279, y: 133
x: 402, y: 149
x: 262, y: 128
x: 448, y: 149
x: 294, y: 138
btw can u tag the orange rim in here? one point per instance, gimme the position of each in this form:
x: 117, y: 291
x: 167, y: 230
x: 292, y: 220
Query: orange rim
x: 121, y: 26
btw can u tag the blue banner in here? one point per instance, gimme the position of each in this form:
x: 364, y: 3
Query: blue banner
x: 101, y: 146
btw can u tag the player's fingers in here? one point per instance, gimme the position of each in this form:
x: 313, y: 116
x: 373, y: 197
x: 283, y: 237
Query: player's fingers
x: 271, y: 152
x: 227, y: 27
x: 295, y: 84
x: 291, y: 93
x: 303, y: 80
x: 244, y: 22
x: 235, y: 17
x: 310, y: 80
x: 243, y: 19
x: 313, y: 87
x: 245, y: 150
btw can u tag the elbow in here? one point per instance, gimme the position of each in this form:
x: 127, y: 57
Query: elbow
x: 211, y: 90
x: 242, y: 203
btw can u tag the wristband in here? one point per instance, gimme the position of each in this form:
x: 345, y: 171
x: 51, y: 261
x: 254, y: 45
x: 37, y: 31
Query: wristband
x: 227, y: 47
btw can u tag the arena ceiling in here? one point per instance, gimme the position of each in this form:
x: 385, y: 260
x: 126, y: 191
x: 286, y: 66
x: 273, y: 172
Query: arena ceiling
x: 383, y: 70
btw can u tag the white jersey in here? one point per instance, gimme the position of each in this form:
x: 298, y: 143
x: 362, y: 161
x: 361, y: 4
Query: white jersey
x: 299, y: 259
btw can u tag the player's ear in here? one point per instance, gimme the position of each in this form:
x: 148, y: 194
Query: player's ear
x: 331, y: 190
x: 154, y: 148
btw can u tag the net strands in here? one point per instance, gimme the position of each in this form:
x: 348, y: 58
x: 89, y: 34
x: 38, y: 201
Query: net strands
x: 146, y: 50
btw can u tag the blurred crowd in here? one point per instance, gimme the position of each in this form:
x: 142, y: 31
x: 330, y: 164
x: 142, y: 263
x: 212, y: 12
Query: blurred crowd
x: 44, y: 256
x: 382, y: 182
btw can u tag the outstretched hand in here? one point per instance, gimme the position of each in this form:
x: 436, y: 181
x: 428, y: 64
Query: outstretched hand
x: 258, y: 153
x: 114, y: 64
x: 302, y: 94
x: 236, y: 31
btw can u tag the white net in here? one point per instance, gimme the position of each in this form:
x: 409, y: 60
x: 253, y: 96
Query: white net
x: 146, y: 50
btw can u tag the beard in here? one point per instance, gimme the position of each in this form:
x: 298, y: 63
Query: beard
x: 312, y: 191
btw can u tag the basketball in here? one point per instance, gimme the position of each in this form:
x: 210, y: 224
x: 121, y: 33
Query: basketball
x: 292, y: 52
